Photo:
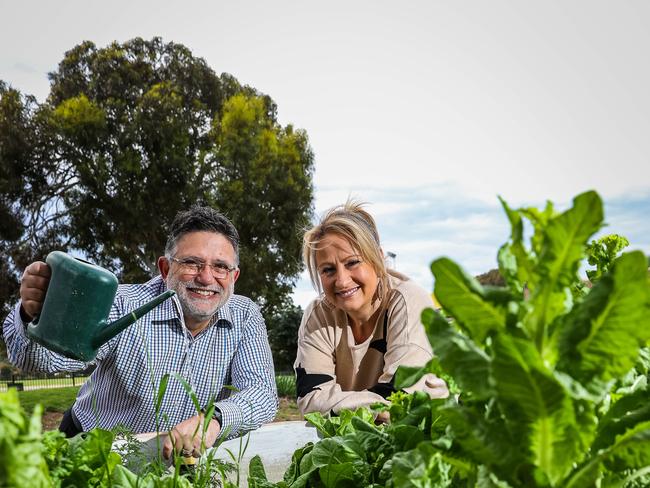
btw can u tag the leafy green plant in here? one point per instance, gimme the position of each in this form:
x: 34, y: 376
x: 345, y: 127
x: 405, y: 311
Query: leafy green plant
x: 355, y: 451
x: 84, y: 460
x: 20, y: 444
x: 30, y: 458
x: 602, y: 253
x: 541, y: 403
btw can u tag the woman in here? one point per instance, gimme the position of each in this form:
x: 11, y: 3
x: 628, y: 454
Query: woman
x: 364, y: 324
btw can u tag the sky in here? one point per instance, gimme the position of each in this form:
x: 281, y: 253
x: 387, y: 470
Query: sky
x: 426, y: 110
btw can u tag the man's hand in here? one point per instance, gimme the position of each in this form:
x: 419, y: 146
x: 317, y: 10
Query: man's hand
x: 33, y: 286
x: 186, y: 438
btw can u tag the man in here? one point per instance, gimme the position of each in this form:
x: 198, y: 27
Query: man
x: 204, y: 337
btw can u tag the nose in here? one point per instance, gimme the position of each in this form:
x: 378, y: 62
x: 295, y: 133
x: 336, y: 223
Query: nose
x: 342, y: 276
x: 205, y: 276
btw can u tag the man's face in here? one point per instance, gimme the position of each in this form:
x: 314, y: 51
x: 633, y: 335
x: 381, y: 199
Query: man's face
x: 200, y: 293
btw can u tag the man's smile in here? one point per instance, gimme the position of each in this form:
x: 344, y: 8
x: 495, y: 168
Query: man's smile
x: 203, y: 291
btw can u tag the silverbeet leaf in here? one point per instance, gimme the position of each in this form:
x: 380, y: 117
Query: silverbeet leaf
x: 600, y: 340
x: 464, y: 299
x: 537, y: 404
x: 459, y: 356
x: 563, y: 246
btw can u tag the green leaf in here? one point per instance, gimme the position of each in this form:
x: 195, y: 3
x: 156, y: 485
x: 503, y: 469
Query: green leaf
x: 347, y: 474
x: 463, y: 298
x: 190, y: 392
x: 630, y: 450
x: 21, y: 455
x: 602, y: 252
x: 533, y: 398
x: 480, y: 439
x: 601, y: 338
x: 420, y: 467
x: 487, y: 479
x: 405, y: 437
x: 325, y: 425
x: 332, y: 451
x: 623, y: 415
x: 257, y: 475
x: 540, y: 220
x: 565, y: 238
x: 344, y: 422
x: 307, y: 463
x: 124, y: 478
x: 90, y: 459
x: 406, y: 376
x: 293, y: 471
x: 162, y: 388
x: 459, y: 356
x: 515, y: 263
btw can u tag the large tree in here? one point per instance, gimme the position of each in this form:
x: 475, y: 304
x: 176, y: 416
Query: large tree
x: 129, y: 135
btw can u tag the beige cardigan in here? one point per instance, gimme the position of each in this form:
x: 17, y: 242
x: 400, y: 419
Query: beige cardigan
x: 334, y: 373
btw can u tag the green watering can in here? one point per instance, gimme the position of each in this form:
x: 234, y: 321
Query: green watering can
x: 79, y: 297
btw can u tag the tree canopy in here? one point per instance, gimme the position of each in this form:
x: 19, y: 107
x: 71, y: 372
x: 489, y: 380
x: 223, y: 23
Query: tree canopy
x: 132, y: 133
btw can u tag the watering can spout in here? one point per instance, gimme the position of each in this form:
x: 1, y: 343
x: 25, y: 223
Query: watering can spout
x: 104, y: 334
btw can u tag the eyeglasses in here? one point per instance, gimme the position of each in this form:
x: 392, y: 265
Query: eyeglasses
x: 192, y: 267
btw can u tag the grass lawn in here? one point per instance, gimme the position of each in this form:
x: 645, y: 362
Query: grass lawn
x: 53, y: 399
x: 57, y: 400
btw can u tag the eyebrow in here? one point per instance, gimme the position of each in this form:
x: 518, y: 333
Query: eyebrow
x: 329, y: 263
x: 198, y: 259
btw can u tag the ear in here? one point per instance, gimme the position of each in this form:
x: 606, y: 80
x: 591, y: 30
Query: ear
x: 235, y: 275
x: 163, y: 266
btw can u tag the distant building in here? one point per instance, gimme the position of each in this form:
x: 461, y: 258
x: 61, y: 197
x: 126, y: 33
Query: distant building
x: 492, y: 277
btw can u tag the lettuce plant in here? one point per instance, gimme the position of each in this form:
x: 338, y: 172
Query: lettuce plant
x: 549, y: 391
x: 22, y: 460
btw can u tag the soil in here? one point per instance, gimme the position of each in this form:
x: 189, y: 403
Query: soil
x: 288, y: 411
x: 51, y: 420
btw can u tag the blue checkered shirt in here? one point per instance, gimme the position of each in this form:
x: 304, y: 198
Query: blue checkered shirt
x: 229, y: 362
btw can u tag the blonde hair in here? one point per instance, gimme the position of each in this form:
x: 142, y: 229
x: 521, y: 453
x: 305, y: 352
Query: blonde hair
x: 352, y: 223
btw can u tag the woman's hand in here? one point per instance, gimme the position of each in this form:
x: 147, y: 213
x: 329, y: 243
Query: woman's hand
x: 432, y: 385
x: 436, y: 387
x: 383, y: 417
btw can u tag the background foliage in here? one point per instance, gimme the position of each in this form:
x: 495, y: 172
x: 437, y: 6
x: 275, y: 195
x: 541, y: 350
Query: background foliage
x: 132, y: 133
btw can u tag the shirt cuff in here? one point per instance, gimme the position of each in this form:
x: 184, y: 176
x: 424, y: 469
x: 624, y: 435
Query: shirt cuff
x: 19, y: 327
x: 231, y: 418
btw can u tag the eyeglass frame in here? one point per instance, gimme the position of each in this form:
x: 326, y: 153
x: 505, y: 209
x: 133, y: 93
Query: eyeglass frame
x: 200, y: 266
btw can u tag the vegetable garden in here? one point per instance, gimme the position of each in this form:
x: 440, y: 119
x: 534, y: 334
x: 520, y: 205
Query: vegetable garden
x: 549, y: 379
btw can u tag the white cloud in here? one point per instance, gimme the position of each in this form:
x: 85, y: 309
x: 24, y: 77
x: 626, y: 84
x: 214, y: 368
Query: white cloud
x: 427, y: 111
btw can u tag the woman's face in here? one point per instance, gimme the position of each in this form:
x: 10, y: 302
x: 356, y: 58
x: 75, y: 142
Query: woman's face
x: 349, y: 283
